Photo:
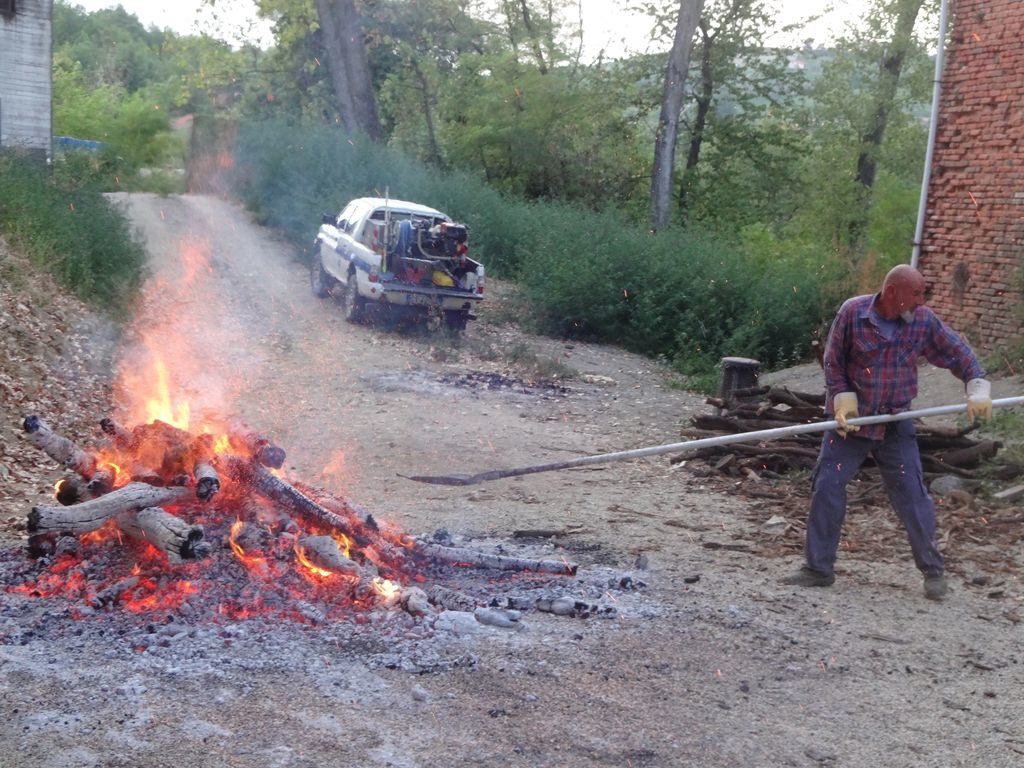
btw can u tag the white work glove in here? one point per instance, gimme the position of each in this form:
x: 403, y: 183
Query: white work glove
x: 979, y: 400
x: 845, y: 406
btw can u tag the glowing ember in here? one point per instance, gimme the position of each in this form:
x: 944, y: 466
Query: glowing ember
x: 388, y: 590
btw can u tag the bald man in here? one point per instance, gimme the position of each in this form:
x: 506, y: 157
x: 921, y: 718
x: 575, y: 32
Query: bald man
x: 871, y: 368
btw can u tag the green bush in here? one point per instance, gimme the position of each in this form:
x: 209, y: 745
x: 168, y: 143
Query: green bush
x: 71, y: 230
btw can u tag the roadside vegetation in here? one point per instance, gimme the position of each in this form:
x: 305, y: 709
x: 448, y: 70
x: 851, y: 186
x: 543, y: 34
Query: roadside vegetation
x: 69, y: 228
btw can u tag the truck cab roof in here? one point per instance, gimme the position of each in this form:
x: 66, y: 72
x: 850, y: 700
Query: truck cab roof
x: 362, y: 204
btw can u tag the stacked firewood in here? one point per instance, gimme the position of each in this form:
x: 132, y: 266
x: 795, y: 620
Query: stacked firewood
x: 944, y: 450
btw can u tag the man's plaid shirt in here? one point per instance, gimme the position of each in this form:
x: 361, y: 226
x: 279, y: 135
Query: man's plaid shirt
x: 883, y: 372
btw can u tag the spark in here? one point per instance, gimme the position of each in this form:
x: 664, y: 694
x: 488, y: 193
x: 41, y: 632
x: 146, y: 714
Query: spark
x: 71, y: 206
x: 973, y: 198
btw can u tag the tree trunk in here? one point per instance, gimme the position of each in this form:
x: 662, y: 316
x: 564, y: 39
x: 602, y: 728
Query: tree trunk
x: 671, y: 106
x: 890, y: 69
x: 349, y: 67
x: 428, y: 115
x: 531, y: 32
x: 707, y: 89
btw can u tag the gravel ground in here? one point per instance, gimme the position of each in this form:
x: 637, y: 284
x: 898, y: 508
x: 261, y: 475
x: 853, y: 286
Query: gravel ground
x: 682, y: 648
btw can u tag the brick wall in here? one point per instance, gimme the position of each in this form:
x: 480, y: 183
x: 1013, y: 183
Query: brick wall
x: 972, y: 246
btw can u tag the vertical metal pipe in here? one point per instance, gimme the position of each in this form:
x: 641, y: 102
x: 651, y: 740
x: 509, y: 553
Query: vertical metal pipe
x: 940, y: 60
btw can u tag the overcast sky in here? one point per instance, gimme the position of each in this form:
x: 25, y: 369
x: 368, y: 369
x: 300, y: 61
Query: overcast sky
x: 606, y: 24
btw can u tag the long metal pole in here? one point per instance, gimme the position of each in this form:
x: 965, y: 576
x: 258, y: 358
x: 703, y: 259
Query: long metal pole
x: 706, y: 442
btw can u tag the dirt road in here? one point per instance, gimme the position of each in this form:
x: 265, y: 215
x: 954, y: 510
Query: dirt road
x: 696, y: 655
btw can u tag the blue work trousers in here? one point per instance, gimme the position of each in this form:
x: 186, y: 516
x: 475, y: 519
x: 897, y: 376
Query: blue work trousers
x: 899, y: 461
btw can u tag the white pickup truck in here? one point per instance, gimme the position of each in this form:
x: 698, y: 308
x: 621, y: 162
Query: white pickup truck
x: 402, y: 257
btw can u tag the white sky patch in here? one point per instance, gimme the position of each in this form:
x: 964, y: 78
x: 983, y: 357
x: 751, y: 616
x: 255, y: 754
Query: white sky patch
x: 608, y: 24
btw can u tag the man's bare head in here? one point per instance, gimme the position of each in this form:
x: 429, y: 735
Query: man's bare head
x: 902, y: 293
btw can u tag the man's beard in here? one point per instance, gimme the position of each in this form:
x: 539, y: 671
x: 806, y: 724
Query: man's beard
x: 907, y: 316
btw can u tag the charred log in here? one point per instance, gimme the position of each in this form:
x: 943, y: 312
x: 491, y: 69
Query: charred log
x: 127, y: 443
x: 121, y: 437
x: 113, y: 593
x: 70, y: 491
x: 256, y: 446
x: 467, y: 557
x: 102, y: 480
x: 450, y: 600
x: 277, y: 490
x: 205, y: 475
x: 179, y: 540
x: 91, y: 514
x: 323, y: 552
x: 59, y: 448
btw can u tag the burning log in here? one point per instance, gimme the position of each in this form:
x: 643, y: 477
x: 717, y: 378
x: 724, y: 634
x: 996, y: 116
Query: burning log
x: 323, y: 552
x: 276, y: 489
x: 467, y: 557
x: 258, y: 447
x: 102, y: 480
x: 70, y: 491
x: 122, y: 437
x: 91, y: 514
x: 59, y: 448
x: 113, y: 593
x: 206, y: 478
x: 179, y: 540
x: 127, y: 443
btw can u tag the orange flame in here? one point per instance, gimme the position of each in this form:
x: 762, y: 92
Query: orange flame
x: 316, y: 570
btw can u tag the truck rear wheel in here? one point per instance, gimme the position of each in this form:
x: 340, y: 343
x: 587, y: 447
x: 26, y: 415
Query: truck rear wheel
x: 455, y: 321
x: 319, y: 280
x: 354, y: 303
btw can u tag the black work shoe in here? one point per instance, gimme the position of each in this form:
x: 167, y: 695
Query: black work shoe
x: 805, y: 577
x: 935, y: 587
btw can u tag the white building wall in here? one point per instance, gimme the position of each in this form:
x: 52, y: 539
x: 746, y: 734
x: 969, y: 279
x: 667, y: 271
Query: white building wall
x: 26, y: 82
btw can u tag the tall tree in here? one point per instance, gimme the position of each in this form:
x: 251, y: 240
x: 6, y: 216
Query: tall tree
x: 890, y: 68
x: 663, y: 172
x: 349, y: 66
x: 735, y: 67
